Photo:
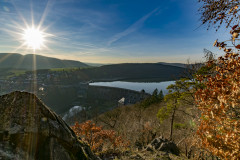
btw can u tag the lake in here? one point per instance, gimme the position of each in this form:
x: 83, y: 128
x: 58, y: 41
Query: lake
x: 149, y: 87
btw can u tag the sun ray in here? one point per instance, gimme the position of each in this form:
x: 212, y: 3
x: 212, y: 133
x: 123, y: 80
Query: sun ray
x: 4, y: 57
x: 19, y: 62
x: 19, y: 14
x: 32, y: 13
x: 45, y: 12
x: 18, y: 48
x: 32, y: 36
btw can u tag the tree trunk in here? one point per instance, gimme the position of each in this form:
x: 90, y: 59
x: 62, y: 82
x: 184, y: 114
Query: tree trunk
x: 172, y: 120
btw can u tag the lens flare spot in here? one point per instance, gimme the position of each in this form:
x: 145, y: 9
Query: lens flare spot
x: 34, y: 38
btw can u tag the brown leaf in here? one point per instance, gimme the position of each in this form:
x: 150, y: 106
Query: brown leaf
x: 238, y: 46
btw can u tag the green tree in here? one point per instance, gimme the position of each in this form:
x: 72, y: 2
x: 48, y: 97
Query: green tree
x: 160, y: 96
x: 172, y: 104
x: 180, y: 94
x: 154, y: 97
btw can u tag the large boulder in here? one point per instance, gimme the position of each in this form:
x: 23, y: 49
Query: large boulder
x: 29, y: 130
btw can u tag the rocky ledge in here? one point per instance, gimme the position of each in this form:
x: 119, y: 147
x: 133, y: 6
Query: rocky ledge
x: 159, y: 149
x: 29, y: 130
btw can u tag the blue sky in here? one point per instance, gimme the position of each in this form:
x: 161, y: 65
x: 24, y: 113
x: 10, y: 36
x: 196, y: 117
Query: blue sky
x: 109, y: 31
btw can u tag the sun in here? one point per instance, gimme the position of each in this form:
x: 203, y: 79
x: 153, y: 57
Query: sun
x: 33, y: 38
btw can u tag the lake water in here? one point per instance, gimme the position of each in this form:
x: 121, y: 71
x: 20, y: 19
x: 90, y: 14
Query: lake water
x: 137, y: 86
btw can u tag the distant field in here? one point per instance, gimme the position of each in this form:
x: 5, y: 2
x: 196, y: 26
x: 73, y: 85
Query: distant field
x: 7, y: 73
x: 68, y: 69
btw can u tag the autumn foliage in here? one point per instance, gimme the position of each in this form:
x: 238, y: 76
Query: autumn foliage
x: 97, y: 138
x: 219, y: 102
x: 219, y: 12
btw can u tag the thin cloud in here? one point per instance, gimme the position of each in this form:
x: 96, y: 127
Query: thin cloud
x: 134, y: 27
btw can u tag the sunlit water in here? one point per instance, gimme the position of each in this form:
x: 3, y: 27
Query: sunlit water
x: 137, y: 86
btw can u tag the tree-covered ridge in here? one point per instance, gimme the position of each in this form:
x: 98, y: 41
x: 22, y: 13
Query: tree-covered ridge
x: 35, y: 62
x: 140, y: 72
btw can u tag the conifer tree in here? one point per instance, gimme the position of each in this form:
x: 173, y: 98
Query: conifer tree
x: 160, y: 96
x: 180, y: 94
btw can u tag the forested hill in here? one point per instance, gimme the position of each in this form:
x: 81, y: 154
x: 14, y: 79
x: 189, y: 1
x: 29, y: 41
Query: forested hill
x: 174, y: 64
x: 26, y: 62
x: 134, y: 72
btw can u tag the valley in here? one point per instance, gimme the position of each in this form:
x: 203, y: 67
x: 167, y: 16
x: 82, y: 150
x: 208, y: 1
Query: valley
x: 64, y: 88
x: 119, y: 80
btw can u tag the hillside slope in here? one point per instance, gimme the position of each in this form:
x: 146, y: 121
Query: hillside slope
x: 28, y: 62
x: 174, y: 64
x: 141, y: 127
x: 134, y: 72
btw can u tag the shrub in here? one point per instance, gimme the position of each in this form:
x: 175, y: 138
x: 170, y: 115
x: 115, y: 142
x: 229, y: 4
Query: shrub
x: 98, y: 139
x: 219, y: 103
x: 179, y: 126
x: 218, y: 100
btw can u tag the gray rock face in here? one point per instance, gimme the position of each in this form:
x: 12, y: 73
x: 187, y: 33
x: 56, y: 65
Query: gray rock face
x: 29, y: 130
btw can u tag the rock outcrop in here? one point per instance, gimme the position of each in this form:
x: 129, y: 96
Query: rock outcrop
x: 162, y: 144
x: 29, y: 130
x: 159, y: 149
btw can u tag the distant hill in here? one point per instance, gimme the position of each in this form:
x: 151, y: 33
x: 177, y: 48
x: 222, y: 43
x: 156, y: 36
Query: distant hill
x: 174, y: 64
x: 26, y: 62
x: 95, y: 64
x: 133, y: 72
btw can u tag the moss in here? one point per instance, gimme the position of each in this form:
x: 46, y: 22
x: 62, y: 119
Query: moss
x: 179, y: 126
x: 192, y: 124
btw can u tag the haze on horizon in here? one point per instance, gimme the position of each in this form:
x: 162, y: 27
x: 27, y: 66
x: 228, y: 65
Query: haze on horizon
x: 102, y: 31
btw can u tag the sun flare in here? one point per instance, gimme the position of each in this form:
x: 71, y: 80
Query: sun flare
x: 34, y: 38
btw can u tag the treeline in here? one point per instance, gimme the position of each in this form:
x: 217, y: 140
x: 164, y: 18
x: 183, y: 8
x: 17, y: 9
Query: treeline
x: 156, y: 97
